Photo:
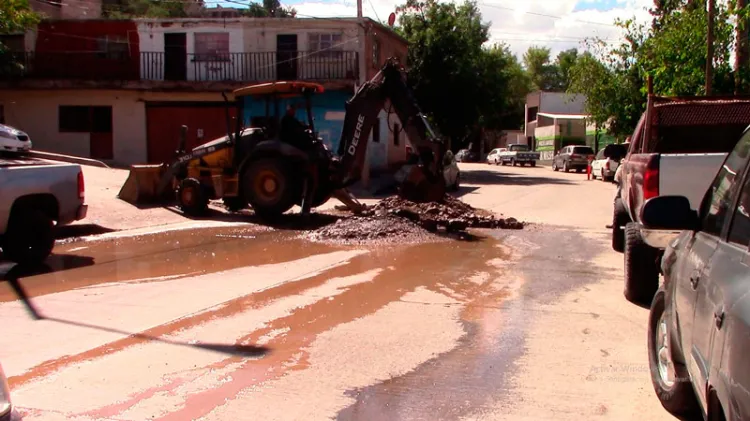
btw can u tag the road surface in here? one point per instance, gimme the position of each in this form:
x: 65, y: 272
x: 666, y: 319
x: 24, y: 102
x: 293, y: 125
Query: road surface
x: 232, y: 322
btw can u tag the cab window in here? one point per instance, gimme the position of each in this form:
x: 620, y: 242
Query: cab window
x: 716, y: 205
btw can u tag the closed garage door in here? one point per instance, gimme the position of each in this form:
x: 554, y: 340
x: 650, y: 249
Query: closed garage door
x: 164, y: 119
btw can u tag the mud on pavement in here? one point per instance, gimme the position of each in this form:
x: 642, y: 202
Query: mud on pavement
x: 399, y: 220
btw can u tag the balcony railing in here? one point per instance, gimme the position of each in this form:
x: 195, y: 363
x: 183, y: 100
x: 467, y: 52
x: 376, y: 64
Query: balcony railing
x: 159, y: 66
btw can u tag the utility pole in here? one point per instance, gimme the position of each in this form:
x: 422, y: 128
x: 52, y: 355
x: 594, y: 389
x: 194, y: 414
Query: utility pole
x: 741, y: 54
x: 710, y: 46
x: 359, y: 9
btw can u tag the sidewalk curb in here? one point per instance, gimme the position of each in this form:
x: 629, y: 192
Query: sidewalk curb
x: 68, y: 158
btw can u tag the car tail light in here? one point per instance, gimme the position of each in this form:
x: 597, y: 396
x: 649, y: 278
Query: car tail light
x: 574, y: 156
x: 651, y: 179
x: 606, y: 165
x: 81, y: 186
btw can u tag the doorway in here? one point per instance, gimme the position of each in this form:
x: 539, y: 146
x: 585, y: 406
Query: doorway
x: 175, y: 56
x: 286, y: 56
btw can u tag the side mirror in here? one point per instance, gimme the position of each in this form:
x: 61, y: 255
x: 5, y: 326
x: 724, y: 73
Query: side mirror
x: 669, y: 213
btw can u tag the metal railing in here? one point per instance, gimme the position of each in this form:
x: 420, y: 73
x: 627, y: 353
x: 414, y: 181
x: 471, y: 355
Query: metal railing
x: 251, y: 67
x: 158, y: 66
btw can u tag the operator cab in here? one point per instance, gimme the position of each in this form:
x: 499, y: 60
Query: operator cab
x: 267, y: 104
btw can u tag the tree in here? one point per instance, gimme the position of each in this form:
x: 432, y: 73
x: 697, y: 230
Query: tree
x: 269, y: 8
x: 541, y: 70
x: 16, y: 16
x: 128, y: 9
x: 564, y: 62
x: 445, y: 62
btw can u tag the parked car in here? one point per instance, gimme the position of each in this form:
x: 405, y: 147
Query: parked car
x: 5, y: 405
x: 678, y: 157
x: 699, y: 329
x: 519, y: 154
x: 36, y: 196
x: 494, y: 156
x: 13, y: 140
x: 607, y: 161
x: 572, y: 157
x: 465, y: 155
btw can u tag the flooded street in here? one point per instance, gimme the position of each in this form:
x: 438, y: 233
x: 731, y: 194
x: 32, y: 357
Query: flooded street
x: 232, y: 322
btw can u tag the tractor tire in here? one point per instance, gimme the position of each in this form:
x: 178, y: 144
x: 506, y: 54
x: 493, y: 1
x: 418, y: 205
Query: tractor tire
x: 641, y: 267
x: 620, y: 217
x: 271, y: 186
x: 192, y: 197
x: 234, y: 204
x: 30, y: 237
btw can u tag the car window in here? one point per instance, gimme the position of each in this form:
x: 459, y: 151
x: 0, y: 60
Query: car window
x: 739, y: 232
x: 583, y: 150
x: 716, y: 205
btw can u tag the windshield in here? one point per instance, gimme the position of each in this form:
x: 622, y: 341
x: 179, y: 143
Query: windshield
x: 519, y: 147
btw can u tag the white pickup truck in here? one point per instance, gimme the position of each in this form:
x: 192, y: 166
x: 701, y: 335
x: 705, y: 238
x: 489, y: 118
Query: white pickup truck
x: 679, y: 154
x: 518, y: 154
x: 36, y: 195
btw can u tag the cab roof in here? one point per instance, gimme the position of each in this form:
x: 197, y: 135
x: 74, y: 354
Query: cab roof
x: 285, y: 88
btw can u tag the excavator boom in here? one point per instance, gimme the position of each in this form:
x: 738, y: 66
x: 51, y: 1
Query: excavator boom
x: 425, y: 182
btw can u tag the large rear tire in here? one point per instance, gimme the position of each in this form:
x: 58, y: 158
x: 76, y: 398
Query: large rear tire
x: 620, y: 217
x: 30, y: 237
x: 641, y: 267
x: 271, y: 187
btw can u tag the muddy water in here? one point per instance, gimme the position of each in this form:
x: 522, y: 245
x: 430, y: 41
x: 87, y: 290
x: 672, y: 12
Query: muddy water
x: 443, y: 267
x: 156, y: 257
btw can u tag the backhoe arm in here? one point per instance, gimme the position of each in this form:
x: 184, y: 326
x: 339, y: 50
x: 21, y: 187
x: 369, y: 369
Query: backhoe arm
x: 361, y: 114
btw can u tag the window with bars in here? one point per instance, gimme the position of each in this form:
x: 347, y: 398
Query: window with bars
x: 212, y: 46
x: 113, y: 47
x: 326, y: 45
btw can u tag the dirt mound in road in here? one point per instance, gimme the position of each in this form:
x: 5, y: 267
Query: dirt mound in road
x: 399, y: 220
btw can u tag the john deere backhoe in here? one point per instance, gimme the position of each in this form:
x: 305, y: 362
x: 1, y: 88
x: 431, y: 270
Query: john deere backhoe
x: 261, y: 167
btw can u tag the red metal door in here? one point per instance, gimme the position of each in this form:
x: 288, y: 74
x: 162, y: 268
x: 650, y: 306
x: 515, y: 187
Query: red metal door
x: 100, y: 145
x: 163, y: 123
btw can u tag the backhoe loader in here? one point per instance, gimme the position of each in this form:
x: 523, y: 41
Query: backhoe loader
x: 263, y: 167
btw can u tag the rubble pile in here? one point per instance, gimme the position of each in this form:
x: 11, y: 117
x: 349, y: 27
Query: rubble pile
x: 451, y: 214
x: 397, y: 219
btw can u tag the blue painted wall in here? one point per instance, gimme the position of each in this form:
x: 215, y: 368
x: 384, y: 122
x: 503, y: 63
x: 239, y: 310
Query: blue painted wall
x: 328, y: 114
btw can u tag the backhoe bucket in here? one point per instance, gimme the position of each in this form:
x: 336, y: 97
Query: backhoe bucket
x: 142, y: 184
x: 420, y: 187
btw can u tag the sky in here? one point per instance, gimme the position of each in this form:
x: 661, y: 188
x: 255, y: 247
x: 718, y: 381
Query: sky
x: 518, y: 23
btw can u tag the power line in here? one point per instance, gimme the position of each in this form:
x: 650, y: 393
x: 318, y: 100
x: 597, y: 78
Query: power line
x: 588, y: 22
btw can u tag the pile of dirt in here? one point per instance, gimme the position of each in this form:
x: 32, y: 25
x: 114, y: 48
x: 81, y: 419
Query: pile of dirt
x: 451, y: 214
x: 397, y: 219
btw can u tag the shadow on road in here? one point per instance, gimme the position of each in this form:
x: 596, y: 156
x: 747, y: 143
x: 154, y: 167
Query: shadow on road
x: 13, y: 277
x: 80, y: 230
x: 502, y: 178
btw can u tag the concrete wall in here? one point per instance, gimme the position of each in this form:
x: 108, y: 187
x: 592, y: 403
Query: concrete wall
x: 37, y: 113
x: 151, y: 34
x: 561, y: 103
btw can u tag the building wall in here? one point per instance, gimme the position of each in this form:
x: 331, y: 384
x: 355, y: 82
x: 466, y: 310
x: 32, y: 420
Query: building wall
x: 381, y: 44
x: 78, y: 9
x: 37, y: 113
x: 69, y: 47
x: 561, y: 103
x: 151, y: 33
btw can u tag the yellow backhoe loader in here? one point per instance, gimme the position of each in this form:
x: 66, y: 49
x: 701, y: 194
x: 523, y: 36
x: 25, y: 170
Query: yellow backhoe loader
x: 271, y: 167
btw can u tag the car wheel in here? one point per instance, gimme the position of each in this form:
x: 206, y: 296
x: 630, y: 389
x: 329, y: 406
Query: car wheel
x: 533, y: 163
x: 554, y: 166
x: 513, y: 162
x: 670, y: 378
x: 565, y: 167
x: 620, y: 217
x: 30, y: 237
x: 641, y: 267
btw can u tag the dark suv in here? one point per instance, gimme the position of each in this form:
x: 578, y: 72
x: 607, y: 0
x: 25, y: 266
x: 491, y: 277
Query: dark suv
x: 573, y: 157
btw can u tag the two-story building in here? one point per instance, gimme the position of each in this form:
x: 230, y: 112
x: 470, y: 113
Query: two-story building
x: 554, y: 120
x: 120, y: 90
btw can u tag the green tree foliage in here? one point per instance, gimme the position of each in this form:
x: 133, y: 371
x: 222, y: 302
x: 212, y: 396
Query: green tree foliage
x: 16, y: 16
x: 462, y: 85
x: 672, y: 50
x: 128, y: 9
x: 548, y: 75
x: 269, y: 8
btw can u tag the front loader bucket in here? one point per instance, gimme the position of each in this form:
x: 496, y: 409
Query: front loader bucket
x: 419, y: 187
x: 142, y: 184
